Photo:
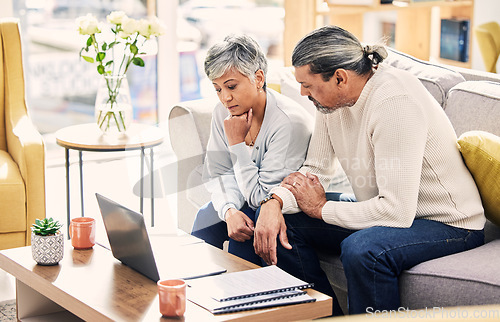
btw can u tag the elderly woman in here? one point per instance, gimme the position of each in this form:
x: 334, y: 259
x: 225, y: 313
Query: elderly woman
x: 257, y: 138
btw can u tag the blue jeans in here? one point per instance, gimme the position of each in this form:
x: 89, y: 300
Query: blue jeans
x: 373, y: 258
x: 208, y: 226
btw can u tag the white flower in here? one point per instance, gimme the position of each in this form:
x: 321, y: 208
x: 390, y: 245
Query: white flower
x: 151, y: 27
x: 156, y: 27
x: 116, y: 17
x: 123, y: 34
x: 88, y: 25
x: 144, y: 28
x: 129, y: 27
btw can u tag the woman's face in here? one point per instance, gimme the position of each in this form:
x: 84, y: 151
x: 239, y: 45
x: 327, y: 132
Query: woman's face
x: 237, y: 92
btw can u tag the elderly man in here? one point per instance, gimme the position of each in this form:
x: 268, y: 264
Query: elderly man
x: 414, y: 199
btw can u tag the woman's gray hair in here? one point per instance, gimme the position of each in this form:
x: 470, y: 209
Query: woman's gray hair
x: 240, y: 52
x: 329, y: 48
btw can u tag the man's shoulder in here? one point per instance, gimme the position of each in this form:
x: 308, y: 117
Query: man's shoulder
x: 390, y: 73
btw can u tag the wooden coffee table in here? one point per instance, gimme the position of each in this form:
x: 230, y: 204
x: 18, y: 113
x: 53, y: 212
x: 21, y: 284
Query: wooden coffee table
x: 92, y: 285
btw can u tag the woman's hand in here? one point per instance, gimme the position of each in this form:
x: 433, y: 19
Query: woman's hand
x: 239, y: 226
x: 236, y: 127
x: 308, y: 192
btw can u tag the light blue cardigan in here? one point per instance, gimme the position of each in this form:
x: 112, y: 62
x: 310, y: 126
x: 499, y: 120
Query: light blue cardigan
x: 238, y: 174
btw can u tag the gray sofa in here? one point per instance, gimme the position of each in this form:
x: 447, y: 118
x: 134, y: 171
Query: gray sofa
x: 470, y: 98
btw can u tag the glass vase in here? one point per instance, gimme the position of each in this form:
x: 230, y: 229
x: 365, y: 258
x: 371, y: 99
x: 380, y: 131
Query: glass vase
x: 113, y: 105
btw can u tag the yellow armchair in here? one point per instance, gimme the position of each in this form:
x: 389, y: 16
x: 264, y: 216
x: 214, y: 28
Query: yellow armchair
x: 488, y: 38
x: 22, y: 152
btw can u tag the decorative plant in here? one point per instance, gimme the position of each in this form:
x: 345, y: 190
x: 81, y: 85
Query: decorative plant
x: 46, y: 227
x: 116, y: 51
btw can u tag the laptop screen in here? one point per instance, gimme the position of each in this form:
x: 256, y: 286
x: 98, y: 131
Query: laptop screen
x: 128, y: 237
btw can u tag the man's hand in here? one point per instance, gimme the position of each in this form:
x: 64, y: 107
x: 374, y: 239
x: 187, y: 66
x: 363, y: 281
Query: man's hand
x: 239, y: 226
x: 236, y: 127
x: 270, y: 225
x: 308, y: 192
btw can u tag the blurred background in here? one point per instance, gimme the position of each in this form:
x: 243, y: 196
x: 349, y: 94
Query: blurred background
x: 61, y: 87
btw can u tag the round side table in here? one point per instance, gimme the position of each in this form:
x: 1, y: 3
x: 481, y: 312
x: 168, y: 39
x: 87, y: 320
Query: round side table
x: 88, y: 137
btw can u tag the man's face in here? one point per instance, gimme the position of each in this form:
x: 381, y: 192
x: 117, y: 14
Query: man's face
x: 327, y: 96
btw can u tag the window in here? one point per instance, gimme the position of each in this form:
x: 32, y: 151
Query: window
x: 60, y: 86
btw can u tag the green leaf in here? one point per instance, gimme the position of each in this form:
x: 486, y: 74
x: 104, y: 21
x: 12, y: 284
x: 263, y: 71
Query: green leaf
x: 100, y: 56
x: 100, y: 69
x: 138, y: 61
x: 104, y: 46
x: 108, y: 63
x: 133, y: 49
x: 111, y: 45
x: 88, y: 59
x: 46, y: 226
x: 90, y: 41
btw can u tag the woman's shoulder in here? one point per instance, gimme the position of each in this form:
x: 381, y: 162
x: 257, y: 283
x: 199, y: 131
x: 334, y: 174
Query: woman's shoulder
x: 286, y: 113
x: 287, y: 107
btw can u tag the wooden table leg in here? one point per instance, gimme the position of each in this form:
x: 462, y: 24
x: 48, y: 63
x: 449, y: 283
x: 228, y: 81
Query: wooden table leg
x: 30, y: 303
x: 81, y: 181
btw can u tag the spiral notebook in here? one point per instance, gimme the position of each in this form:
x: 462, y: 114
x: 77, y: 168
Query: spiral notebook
x: 247, y: 290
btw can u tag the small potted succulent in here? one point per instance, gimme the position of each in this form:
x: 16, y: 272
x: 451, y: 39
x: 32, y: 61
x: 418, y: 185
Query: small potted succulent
x: 47, y: 241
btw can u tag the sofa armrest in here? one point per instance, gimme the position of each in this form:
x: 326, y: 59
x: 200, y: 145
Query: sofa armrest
x: 27, y: 149
x: 189, y: 130
x: 24, y: 142
x: 477, y: 75
x: 474, y: 105
x: 189, y: 127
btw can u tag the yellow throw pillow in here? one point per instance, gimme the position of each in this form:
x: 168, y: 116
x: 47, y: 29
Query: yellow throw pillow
x: 481, y: 152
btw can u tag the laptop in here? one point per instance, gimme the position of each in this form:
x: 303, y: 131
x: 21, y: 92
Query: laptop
x: 167, y: 257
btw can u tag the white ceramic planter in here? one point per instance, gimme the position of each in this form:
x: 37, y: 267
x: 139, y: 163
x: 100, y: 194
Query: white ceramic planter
x: 47, y: 250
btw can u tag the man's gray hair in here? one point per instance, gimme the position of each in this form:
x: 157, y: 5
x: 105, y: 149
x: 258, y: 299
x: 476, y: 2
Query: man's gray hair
x: 329, y: 48
x: 239, y: 52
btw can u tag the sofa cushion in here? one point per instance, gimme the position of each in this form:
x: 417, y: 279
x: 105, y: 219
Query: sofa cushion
x: 481, y: 153
x: 12, y: 196
x: 474, y: 106
x: 436, y: 78
x: 466, y: 278
x: 332, y: 266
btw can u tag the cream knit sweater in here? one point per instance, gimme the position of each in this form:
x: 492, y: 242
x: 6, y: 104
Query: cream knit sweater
x: 399, y: 152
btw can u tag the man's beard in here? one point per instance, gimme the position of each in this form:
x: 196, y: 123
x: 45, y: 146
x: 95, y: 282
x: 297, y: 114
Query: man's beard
x: 328, y: 109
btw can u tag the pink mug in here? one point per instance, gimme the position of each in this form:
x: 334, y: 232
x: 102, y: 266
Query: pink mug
x: 82, y: 232
x: 172, y: 295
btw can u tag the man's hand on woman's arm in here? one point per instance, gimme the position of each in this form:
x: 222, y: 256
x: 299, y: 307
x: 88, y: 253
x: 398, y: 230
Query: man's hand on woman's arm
x: 308, y: 193
x: 270, y: 225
